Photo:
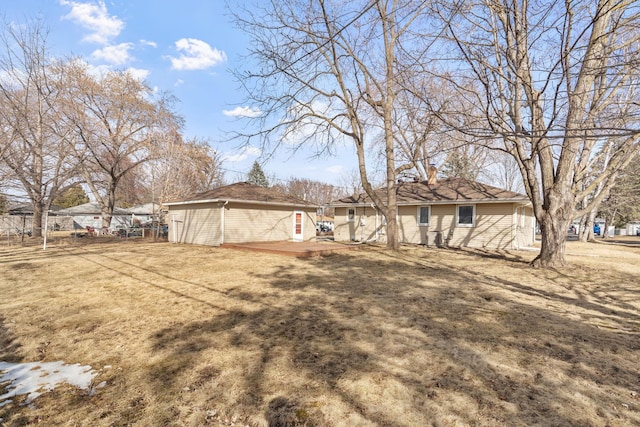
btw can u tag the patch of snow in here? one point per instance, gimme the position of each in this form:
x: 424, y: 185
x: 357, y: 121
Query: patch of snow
x: 34, y: 378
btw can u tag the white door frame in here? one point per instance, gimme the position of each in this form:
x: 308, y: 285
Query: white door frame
x: 298, y: 237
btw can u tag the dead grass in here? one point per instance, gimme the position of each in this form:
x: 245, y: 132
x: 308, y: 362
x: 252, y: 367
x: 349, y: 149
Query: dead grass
x: 187, y: 335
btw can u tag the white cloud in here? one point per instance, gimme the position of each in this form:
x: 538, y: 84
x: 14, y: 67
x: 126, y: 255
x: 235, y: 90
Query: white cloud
x: 178, y: 82
x: 244, y: 153
x: 138, y: 73
x: 148, y: 43
x: 99, y: 71
x: 196, y: 55
x: 96, y: 18
x: 116, y: 55
x: 242, y: 112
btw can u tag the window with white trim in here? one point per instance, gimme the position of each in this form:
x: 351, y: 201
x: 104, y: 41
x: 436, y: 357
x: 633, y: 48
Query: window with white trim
x: 351, y: 214
x: 466, y: 216
x: 424, y: 215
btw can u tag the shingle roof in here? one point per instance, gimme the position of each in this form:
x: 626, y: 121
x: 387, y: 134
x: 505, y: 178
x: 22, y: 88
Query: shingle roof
x: 145, y: 209
x: 452, y: 190
x: 244, y: 191
x: 91, y: 208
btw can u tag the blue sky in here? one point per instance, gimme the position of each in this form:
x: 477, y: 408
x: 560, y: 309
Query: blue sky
x: 186, y: 47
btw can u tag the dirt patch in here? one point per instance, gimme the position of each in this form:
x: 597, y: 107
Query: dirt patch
x: 188, y: 335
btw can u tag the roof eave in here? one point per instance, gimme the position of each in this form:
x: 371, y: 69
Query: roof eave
x: 191, y: 202
x: 253, y: 202
x: 524, y: 201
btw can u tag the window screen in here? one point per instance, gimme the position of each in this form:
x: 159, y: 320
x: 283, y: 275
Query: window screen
x: 465, y: 215
x: 423, y: 215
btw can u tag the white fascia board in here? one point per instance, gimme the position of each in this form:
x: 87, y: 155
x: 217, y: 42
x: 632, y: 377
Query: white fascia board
x: 252, y: 202
x: 519, y: 200
x: 191, y: 202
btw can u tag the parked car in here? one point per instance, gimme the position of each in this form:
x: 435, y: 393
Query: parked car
x: 134, y: 231
x: 323, y: 228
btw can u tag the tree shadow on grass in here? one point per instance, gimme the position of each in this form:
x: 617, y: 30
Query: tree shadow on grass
x: 445, y: 344
x: 9, y: 352
x: 306, y: 336
x: 372, y: 331
x: 9, y: 345
x: 344, y: 320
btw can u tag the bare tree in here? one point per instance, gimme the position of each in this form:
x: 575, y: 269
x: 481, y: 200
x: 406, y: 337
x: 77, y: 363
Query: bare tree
x: 503, y: 172
x: 32, y: 137
x: 425, y: 139
x: 554, y: 79
x: 350, y: 184
x: 329, y: 71
x: 316, y: 192
x: 181, y: 168
x: 116, y: 122
x: 420, y: 137
x: 622, y: 204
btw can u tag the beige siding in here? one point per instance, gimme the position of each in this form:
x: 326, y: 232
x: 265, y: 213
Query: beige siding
x: 495, y: 226
x: 441, y: 222
x: 408, y: 229
x: 257, y: 223
x: 366, y: 225
x: 525, y: 226
x: 195, y: 224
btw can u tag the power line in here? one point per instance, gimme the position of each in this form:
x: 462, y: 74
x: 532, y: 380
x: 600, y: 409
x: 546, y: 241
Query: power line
x: 333, y: 36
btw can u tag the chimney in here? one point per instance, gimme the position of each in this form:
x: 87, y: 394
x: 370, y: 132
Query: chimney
x: 432, y: 175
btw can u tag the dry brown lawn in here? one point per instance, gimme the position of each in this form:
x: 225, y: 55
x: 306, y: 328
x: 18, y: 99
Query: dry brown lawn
x: 189, y: 336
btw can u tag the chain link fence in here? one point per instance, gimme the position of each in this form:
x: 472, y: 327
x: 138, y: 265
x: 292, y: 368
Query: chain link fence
x: 18, y: 229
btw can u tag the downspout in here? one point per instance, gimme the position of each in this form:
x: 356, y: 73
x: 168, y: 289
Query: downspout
x: 222, y: 222
x: 363, y: 222
x: 376, y: 211
x: 173, y: 228
x: 514, y: 228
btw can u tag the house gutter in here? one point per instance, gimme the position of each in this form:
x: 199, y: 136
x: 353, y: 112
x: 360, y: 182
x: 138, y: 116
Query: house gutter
x: 253, y: 202
x: 522, y: 202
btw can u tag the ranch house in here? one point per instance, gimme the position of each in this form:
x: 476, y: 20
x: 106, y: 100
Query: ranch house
x: 451, y: 212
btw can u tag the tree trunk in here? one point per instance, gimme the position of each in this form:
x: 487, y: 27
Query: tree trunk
x: 110, y: 204
x: 553, y: 241
x: 106, y: 218
x: 37, y: 219
x: 586, y: 226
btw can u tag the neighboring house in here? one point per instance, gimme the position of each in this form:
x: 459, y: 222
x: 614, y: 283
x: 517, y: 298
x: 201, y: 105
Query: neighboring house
x: 90, y: 215
x: 147, y: 212
x: 633, y: 228
x: 452, y: 212
x: 22, y: 209
x: 21, y: 216
x: 240, y: 213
